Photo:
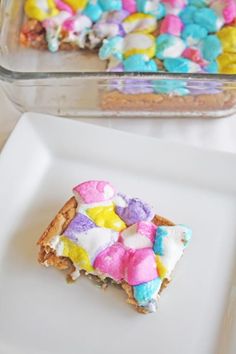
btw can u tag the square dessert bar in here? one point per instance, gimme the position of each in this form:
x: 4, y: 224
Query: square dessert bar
x: 108, y: 235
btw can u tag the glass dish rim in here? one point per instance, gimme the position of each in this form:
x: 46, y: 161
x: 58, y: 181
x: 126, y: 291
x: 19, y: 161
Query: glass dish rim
x: 9, y: 75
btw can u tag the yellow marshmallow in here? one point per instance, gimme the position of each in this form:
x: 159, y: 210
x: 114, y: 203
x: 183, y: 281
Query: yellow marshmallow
x: 40, y: 9
x: 161, y: 269
x: 106, y: 217
x: 227, y: 63
x: 76, y: 5
x: 139, y: 43
x: 140, y: 22
x: 77, y: 254
x: 227, y: 36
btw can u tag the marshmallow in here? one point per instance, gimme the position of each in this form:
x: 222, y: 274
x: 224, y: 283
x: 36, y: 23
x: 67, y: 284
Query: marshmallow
x: 181, y: 65
x: 169, y: 46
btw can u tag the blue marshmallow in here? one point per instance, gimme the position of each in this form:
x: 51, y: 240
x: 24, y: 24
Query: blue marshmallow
x: 93, y: 10
x: 193, y: 33
x: 187, y: 14
x: 211, y: 47
x: 206, y: 18
x: 181, y: 65
x: 169, y: 46
x: 139, y: 62
x: 212, y: 68
x: 159, y: 12
x: 111, y: 47
x: 161, y: 232
x: 143, y: 293
x: 111, y: 5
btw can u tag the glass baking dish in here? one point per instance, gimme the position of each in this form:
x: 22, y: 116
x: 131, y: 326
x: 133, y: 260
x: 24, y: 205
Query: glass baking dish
x: 75, y: 83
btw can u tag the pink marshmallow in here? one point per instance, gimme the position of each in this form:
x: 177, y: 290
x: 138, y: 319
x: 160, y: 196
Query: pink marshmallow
x: 194, y: 54
x: 77, y: 23
x: 129, y: 5
x: 134, y: 266
x: 62, y: 6
x: 147, y: 229
x: 229, y: 12
x: 94, y: 192
x: 111, y: 261
x: 172, y: 25
x: 141, y: 266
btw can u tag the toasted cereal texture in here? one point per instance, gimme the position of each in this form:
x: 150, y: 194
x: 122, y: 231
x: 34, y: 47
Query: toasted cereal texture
x: 48, y: 257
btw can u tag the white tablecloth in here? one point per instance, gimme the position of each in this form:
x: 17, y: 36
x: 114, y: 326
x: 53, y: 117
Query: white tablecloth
x: 211, y: 133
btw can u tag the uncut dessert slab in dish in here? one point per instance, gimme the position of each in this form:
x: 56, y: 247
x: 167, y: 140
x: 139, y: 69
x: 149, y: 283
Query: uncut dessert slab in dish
x: 59, y: 82
x: 197, y: 186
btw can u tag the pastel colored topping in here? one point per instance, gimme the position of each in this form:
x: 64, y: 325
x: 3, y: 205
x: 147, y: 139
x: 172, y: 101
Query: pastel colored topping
x: 41, y: 9
x: 80, y: 223
x: 105, y: 216
x: 172, y: 24
x: 227, y: 63
x: 139, y: 62
x: 140, y: 235
x: 162, y: 270
x: 93, y: 241
x: 197, y: 33
x: 93, y: 10
x: 119, y: 263
x: 134, y: 210
x: 152, y: 7
x: 111, y: 48
x: 78, y: 255
x: 112, y: 235
x: 139, y: 43
x: 63, y: 6
x: 77, y: 5
x: 169, y: 46
x: 195, y: 55
x: 129, y: 5
x: 139, y: 22
x: 111, y: 5
x: 193, y: 34
x: 181, y: 65
x: 141, y: 266
x: 94, y: 192
x: 174, y: 239
x: 145, y: 293
x: 227, y: 37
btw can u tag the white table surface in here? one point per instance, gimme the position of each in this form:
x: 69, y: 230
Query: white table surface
x: 211, y: 133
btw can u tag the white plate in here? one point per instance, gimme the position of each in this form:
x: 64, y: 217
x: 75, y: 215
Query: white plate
x: 39, y: 313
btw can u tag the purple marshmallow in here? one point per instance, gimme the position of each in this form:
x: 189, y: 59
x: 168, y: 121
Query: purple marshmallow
x: 80, y: 223
x: 135, y: 211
